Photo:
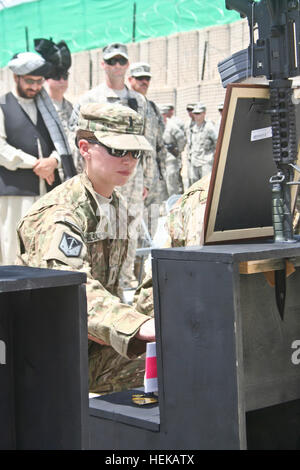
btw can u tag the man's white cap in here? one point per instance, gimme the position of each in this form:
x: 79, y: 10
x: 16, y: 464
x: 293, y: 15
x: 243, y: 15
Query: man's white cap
x: 140, y: 69
x: 29, y: 63
x: 114, y: 49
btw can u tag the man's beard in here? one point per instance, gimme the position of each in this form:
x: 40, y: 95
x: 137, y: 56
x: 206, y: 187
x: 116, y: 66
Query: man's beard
x: 22, y: 93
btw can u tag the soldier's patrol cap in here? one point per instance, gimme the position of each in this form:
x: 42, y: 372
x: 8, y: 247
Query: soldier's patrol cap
x: 29, y: 63
x: 164, y: 108
x: 114, y: 125
x: 140, y: 69
x: 116, y: 48
x: 190, y: 106
x: 199, y: 108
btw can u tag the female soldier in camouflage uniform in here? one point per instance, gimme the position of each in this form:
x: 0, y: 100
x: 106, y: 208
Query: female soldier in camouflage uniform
x: 83, y: 226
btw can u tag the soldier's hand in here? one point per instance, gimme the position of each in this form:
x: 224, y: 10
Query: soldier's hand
x: 147, y: 331
x: 44, y: 167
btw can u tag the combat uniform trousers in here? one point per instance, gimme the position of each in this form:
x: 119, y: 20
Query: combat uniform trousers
x: 174, y: 179
x: 198, y: 172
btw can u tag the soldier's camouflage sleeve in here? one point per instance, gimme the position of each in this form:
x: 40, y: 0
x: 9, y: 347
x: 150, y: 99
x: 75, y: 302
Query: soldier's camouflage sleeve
x: 161, y: 151
x: 185, y: 222
x: 143, y: 298
x: 181, y: 139
x: 212, y: 133
x: 148, y: 169
x: 56, y: 242
x: 74, y: 118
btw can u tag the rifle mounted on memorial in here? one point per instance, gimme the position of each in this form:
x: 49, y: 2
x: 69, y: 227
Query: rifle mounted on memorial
x: 274, y: 52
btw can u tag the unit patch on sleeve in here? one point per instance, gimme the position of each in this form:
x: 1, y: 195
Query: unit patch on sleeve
x: 70, y: 246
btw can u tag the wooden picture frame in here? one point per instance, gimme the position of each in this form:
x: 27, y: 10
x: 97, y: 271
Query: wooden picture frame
x: 239, y: 203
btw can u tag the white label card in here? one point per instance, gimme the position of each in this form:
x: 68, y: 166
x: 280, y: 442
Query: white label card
x: 259, y: 134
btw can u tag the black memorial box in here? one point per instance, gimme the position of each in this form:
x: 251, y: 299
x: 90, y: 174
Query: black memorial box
x: 43, y: 359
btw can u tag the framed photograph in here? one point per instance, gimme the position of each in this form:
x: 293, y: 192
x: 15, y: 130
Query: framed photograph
x: 239, y: 204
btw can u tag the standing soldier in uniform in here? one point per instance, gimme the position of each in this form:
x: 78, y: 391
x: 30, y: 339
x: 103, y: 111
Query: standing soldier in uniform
x: 114, y: 90
x: 82, y: 226
x: 202, y: 145
x: 59, y: 56
x: 139, y: 79
x: 171, y: 115
x: 174, y: 140
x: 191, y: 121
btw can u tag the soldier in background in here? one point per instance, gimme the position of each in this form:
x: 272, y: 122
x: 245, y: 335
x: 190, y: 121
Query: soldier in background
x: 171, y: 115
x: 57, y: 87
x: 82, y: 226
x: 139, y: 79
x: 201, y: 146
x: 57, y: 82
x: 174, y: 140
x: 191, y: 121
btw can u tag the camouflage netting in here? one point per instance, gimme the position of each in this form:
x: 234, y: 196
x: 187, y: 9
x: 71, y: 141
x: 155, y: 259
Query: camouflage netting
x: 89, y: 24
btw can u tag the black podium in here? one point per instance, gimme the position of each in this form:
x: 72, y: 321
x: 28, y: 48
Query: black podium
x: 43, y: 359
x: 227, y: 379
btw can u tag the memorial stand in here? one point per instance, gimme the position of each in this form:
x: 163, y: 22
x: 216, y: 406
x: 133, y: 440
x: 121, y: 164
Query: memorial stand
x: 44, y: 361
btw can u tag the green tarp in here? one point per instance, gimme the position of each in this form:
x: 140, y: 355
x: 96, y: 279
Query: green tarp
x: 89, y: 24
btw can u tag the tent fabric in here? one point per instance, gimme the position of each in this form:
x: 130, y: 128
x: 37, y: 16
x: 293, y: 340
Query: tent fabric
x: 90, y: 24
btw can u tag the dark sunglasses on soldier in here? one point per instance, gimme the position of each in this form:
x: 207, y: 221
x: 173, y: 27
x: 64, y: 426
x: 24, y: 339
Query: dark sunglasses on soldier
x: 64, y: 76
x: 144, y: 77
x: 136, y: 154
x: 114, y: 60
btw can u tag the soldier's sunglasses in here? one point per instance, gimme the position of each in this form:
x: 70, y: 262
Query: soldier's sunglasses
x: 64, y: 76
x: 136, y: 154
x: 144, y: 77
x: 114, y: 60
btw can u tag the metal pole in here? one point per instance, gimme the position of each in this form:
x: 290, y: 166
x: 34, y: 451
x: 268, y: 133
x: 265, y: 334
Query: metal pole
x: 90, y: 71
x: 134, y: 22
x: 27, y: 38
x: 204, y: 60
